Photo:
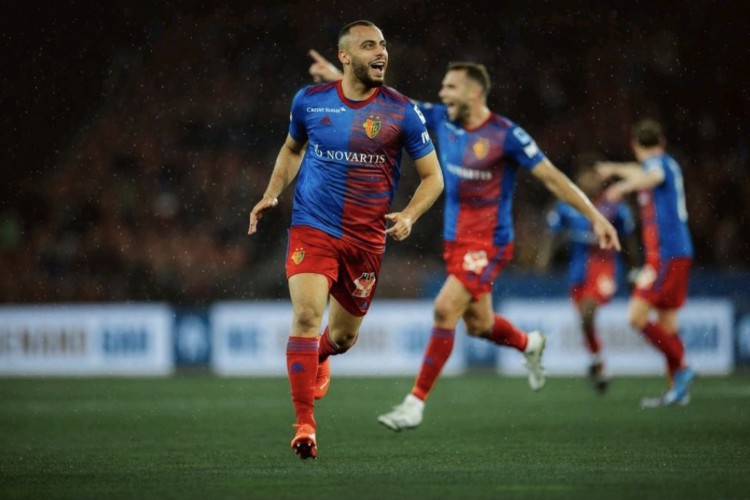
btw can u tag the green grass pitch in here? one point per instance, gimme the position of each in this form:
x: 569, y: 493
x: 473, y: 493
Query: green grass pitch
x: 484, y: 436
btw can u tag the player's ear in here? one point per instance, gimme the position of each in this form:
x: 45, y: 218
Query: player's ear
x: 344, y: 57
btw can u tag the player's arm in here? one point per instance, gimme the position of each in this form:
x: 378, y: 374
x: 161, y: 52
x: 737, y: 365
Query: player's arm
x: 429, y: 189
x: 322, y: 70
x: 631, y: 256
x: 549, y: 244
x: 632, y: 178
x: 561, y: 186
x: 626, y: 227
x: 287, y: 166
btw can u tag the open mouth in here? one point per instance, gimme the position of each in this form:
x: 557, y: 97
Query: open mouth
x: 378, y: 67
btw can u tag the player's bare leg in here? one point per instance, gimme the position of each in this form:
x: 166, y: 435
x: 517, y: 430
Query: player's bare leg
x: 309, y: 294
x: 587, y: 311
x: 450, y: 304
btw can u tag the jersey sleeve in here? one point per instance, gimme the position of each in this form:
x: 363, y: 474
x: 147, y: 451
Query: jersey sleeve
x: 433, y: 113
x: 297, y: 128
x: 555, y: 218
x: 522, y: 148
x: 624, y: 221
x: 654, y: 164
x: 417, y: 141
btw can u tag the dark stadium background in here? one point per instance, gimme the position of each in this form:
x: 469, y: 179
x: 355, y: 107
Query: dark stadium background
x: 136, y: 136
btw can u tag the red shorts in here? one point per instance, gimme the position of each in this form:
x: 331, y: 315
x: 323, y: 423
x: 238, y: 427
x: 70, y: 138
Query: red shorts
x: 666, y: 286
x: 351, y: 271
x: 476, y: 265
x: 599, y: 284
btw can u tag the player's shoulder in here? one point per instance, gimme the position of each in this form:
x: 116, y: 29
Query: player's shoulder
x: 501, y: 121
x: 391, y: 94
x: 317, y: 88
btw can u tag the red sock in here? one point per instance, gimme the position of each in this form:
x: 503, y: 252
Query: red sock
x: 678, y: 361
x: 326, y: 346
x: 504, y: 333
x: 669, y: 344
x: 592, y: 340
x: 302, y: 367
x: 437, y: 353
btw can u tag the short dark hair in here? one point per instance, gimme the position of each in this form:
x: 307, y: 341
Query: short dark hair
x: 475, y: 71
x: 346, y: 29
x: 647, y: 133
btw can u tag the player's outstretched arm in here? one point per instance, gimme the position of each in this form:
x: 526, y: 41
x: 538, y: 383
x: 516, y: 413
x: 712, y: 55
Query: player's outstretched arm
x: 322, y: 70
x: 632, y: 178
x: 561, y: 186
x: 549, y: 243
x: 287, y: 166
x: 429, y: 189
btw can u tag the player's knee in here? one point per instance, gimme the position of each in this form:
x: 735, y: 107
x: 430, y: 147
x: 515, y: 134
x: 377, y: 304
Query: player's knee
x: 344, y: 339
x: 442, y: 313
x: 475, y: 326
x: 637, y: 321
x: 307, y: 320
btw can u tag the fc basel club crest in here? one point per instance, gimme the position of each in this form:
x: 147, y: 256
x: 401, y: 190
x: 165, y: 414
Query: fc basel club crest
x: 372, y: 126
x: 298, y: 255
x: 364, y: 285
x: 481, y: 148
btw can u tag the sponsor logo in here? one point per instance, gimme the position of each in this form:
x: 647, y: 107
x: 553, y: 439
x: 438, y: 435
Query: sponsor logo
x: 469, y: 174
x: 124, y: 341
x: 481, y: 148
x: 420, y: 115
x: 475, y: 262
x: 364, y: 285
x: 372, y: 126
x: 43, y: 341
x: 348, y: 156
x: 325, y: 121
x: 298, y: 255
x: 531, y: 150
x: 342, y: 109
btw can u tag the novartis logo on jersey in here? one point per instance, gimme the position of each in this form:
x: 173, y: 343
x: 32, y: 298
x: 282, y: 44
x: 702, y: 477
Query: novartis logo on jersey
x: 348, y: 156
x: 469, y: 174
x: 342, y: 109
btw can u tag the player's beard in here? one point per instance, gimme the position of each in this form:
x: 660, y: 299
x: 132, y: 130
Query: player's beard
x: 461, y: 111
x: 362, y: 72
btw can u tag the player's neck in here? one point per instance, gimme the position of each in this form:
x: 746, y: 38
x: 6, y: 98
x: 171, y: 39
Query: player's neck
x: 477, y: 116
x: 355, y: 90
x: 647, y: 153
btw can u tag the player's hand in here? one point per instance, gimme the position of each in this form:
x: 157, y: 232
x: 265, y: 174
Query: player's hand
x: 606, y: 169
x: 606, y: 234
x: 322, y: 70
x: 615, y: 192
x: 632, y: 276
x: 264, y: 204
x: 400, y: 226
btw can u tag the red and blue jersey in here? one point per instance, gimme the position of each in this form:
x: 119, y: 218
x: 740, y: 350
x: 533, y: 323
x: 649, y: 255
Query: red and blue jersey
x: 664, y: 215
x: 585, y: 254
x: 479, y: 168
x: 351, y: 167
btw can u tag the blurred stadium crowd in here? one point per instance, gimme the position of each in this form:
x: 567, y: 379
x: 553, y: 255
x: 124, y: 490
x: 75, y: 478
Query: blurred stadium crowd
x: 149, y: 198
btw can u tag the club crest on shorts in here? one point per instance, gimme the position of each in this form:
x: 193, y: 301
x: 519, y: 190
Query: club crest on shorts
x: 298, y: 255
x: 372, y: 126
x: 475, y: 262
x: 364, y: 285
